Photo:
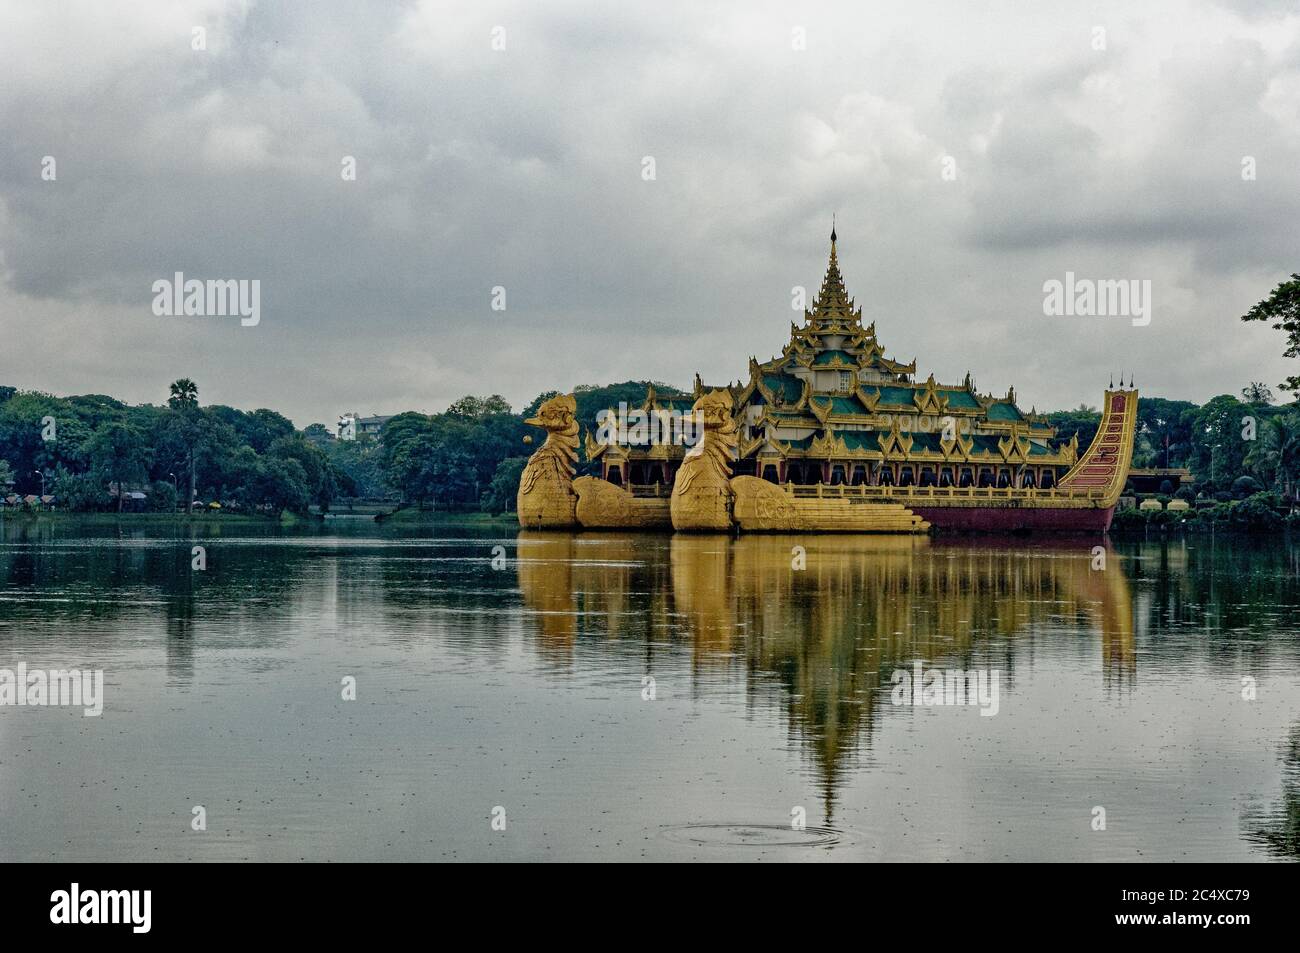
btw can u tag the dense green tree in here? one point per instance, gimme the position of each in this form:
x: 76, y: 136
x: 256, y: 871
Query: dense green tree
x: 97, y: 410
x: 79, y: 492
x: 1084, y: 422
x: 162, y: 497
x: 470, y: 406
x: 360, y: 467
x: 1274, y: 457
x: 118, y: 455
x: 1282, y: 307
x: 1164, y: 432
x: 23, y: 440
x: 323, y: 479
x: 415, y: 466
x: 1218, y: 444
x: 258, y: 429
x: 450, y: 458
x: 1257, y: 392
x: 499, y: 497
x: 317, y: 434
x: 283, y: 485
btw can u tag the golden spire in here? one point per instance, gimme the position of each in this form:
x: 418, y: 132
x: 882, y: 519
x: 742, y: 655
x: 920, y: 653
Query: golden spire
x: 833, y: 306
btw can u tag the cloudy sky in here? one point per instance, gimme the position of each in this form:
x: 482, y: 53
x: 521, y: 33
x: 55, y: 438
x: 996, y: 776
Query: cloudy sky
x: 523, y: 168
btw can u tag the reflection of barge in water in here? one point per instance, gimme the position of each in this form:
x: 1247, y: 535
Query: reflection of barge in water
x: 833, y: 436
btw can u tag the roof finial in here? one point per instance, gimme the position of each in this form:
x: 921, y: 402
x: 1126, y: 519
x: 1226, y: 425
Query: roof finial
x: 1112, y: 380
x: 832, y: 228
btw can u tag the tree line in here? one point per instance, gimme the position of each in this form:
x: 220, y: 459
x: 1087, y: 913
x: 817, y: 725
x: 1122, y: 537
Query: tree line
x: 91, y: 451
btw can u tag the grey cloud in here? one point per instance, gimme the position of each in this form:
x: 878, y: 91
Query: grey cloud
x: 522, y: 169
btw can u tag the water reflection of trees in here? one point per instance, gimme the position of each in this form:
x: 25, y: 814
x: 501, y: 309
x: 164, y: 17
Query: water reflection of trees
x: 1277, y: 832
x: 1216, y: 585
x: 100, y: 586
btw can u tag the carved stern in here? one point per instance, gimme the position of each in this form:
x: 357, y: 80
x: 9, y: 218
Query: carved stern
x: 701, y: 500
x: 546, y: 499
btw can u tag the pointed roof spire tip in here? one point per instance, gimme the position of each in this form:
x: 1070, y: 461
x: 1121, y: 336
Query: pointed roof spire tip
x: 832, y: 226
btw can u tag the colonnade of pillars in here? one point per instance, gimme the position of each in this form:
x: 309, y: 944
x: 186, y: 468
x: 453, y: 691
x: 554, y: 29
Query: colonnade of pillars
x: 831, y: 473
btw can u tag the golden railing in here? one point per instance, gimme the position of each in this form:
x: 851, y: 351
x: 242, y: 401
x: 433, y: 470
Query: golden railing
x: 1000, y: 494
x: 913, y: 493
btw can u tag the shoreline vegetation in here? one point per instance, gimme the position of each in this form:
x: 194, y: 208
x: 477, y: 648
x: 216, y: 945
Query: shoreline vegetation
x: 93, y: 456
x: 401, y: 517
x: 1259, y: 513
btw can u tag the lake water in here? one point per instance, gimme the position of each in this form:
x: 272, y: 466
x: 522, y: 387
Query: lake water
x: 624, y: 696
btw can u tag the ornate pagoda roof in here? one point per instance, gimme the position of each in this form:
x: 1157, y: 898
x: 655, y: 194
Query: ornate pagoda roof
x: 832, y: 391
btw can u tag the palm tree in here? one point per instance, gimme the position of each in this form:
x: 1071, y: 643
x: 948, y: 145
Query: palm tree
x: 184, y: 402
x: 1275, y: 456
x: 185, y: 393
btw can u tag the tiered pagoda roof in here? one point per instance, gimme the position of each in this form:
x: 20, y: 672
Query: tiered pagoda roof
x: 808, y: 412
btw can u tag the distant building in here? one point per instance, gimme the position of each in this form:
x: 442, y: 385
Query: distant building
x: 370, y: 426
x: 354, y: 425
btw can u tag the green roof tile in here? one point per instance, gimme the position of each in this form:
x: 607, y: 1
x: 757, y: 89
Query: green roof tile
x: 829, y: 357
x: 897, y: 396
x: 960, y: 398
x: 1003, y: 411
x: 790, y: 388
